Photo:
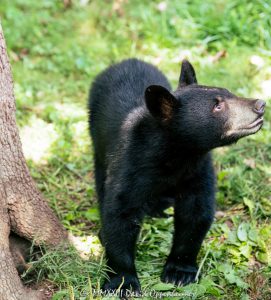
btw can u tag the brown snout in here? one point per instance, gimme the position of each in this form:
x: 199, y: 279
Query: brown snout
x: 259, y: 107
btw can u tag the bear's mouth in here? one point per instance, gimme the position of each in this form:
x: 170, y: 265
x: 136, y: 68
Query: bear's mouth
x: 252, y: 128
x: 254, y: 124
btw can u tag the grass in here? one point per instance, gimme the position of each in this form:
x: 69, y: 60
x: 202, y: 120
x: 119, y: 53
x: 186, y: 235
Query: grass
x: 55, y: 53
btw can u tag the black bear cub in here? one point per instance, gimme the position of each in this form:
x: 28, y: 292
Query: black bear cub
x: 152, y: 150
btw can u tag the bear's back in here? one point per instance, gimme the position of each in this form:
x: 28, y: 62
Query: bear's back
x: 116, y: 92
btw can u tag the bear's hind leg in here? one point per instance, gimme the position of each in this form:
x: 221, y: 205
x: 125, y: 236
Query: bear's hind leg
x: 156, y: 208
x: 100, y: 176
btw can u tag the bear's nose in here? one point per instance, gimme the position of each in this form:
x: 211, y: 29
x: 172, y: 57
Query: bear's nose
x: 259, y: 106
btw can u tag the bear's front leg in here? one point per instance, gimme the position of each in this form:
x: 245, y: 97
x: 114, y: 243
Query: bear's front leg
x: 120, y: 228
x: 193, y: 217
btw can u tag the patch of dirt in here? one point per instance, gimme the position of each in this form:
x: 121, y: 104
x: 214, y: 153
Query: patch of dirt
x: 259, y: 288
x: 46, y: 287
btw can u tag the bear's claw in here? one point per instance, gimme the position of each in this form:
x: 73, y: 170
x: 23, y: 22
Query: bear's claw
x: 178, y: 274
x: 124, y: 286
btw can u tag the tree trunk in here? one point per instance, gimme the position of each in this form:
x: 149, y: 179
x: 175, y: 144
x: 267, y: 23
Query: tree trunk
x: 23, y: 210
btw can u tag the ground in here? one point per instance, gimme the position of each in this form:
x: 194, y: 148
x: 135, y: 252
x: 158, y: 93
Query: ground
x: 57, y: 49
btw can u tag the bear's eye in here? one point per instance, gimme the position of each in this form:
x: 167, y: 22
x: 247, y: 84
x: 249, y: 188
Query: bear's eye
x: 218, y: 106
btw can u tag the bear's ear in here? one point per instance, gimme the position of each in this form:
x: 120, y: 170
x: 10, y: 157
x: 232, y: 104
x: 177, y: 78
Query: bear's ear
x: 160, y: 102
x: 188, y: 75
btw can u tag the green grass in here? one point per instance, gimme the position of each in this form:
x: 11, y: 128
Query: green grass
x: 56, y: 52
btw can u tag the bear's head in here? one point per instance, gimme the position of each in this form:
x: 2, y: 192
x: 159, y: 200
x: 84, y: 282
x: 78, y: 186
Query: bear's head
x: 203, y: 117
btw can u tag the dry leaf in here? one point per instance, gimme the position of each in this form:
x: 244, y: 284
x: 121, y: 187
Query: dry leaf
x: 250, y: 162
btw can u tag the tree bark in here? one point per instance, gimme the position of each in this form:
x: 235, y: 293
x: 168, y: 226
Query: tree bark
x: 23, y: 210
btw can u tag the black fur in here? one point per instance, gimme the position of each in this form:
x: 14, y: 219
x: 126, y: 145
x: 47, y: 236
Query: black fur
x: 152, y: 151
